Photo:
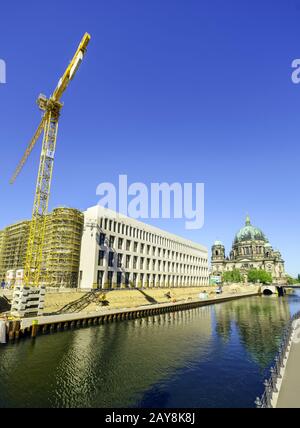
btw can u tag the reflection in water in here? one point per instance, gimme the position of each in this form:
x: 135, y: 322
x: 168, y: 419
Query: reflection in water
x: 259, y: 325
x: 120, y: 360
x: 215, y: 356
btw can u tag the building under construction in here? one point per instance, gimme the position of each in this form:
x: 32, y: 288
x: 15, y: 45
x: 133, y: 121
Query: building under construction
x: 61, y: 254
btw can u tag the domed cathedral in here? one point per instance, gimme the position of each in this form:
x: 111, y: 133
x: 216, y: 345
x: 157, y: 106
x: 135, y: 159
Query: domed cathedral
x: 250, y: 249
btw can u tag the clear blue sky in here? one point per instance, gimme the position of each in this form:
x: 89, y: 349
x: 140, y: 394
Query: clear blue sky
x: 170, y: 90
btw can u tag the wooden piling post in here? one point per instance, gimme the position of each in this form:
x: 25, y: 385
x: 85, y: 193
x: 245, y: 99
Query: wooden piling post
x: 14, y: 330
x: 17, y: 329
x: 34, y: 328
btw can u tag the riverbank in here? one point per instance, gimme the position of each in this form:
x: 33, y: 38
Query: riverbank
x: 118, y: 299
x: 55, y: 322
x: 71, y: 301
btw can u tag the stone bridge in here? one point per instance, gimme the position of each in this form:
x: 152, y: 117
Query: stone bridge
x: 268, y: 290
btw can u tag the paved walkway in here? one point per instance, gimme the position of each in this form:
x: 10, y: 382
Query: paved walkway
x: 289, y: 394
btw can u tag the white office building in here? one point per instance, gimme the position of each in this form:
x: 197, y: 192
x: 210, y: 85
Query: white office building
x: 120, y: 252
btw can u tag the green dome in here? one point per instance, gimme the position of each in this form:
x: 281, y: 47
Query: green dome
x: 249, y: 233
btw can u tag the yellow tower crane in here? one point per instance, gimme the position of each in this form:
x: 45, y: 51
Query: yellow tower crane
x: 49, y: 125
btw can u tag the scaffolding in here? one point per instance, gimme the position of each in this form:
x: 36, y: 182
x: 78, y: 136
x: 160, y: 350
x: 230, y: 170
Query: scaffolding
x: 62, y: 245
x: 60, y: 264
x: 14, y: 246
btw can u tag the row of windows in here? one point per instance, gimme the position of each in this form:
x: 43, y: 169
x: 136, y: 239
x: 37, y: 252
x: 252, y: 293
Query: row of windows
x: 133, y: 232
x: 133, y: 262
x: 136, y: 280
x: 141, y: 248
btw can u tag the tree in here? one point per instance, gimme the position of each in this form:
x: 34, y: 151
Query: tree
x: 253, y: 275
x: 265, y: 277
x: 291, y: 280
x: 232, y: 276
x: 259, y: 275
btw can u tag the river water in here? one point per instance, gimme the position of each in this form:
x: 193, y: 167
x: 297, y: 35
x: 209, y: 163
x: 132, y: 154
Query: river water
x: 214, y: 356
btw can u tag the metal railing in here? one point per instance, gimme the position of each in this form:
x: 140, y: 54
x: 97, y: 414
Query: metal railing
x: 265, y: 401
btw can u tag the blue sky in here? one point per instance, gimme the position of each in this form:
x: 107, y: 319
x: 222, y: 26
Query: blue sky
x: 170, y: 90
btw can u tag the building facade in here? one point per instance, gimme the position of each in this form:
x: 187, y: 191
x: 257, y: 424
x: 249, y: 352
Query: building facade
x: 251, y: 249
x: 63, y: 235
x: 120, y: 252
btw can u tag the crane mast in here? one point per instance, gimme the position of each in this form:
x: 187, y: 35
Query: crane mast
x: 49, y: 126
x: 34, y: 254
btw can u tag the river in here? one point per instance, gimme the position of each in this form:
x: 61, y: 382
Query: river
x: 214, y: 356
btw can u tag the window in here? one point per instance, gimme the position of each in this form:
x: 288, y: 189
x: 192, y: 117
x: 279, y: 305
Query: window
x: 102, y: 239
x: 127, y: 279
x: 120, y: 244
x: 111, y: 241
x: 142, y: 248
x: 127, y: 261
x: 120, y: 257
x: 111, y: 259
x: 119, y: 279
x: 100, y: 278
x: 128, y: 245
x: 101, y: 258
x: 142, y: 263
x: 110, y: 278
x: 134, y: 262
x: 135, y: 247
x: 135, y: 279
